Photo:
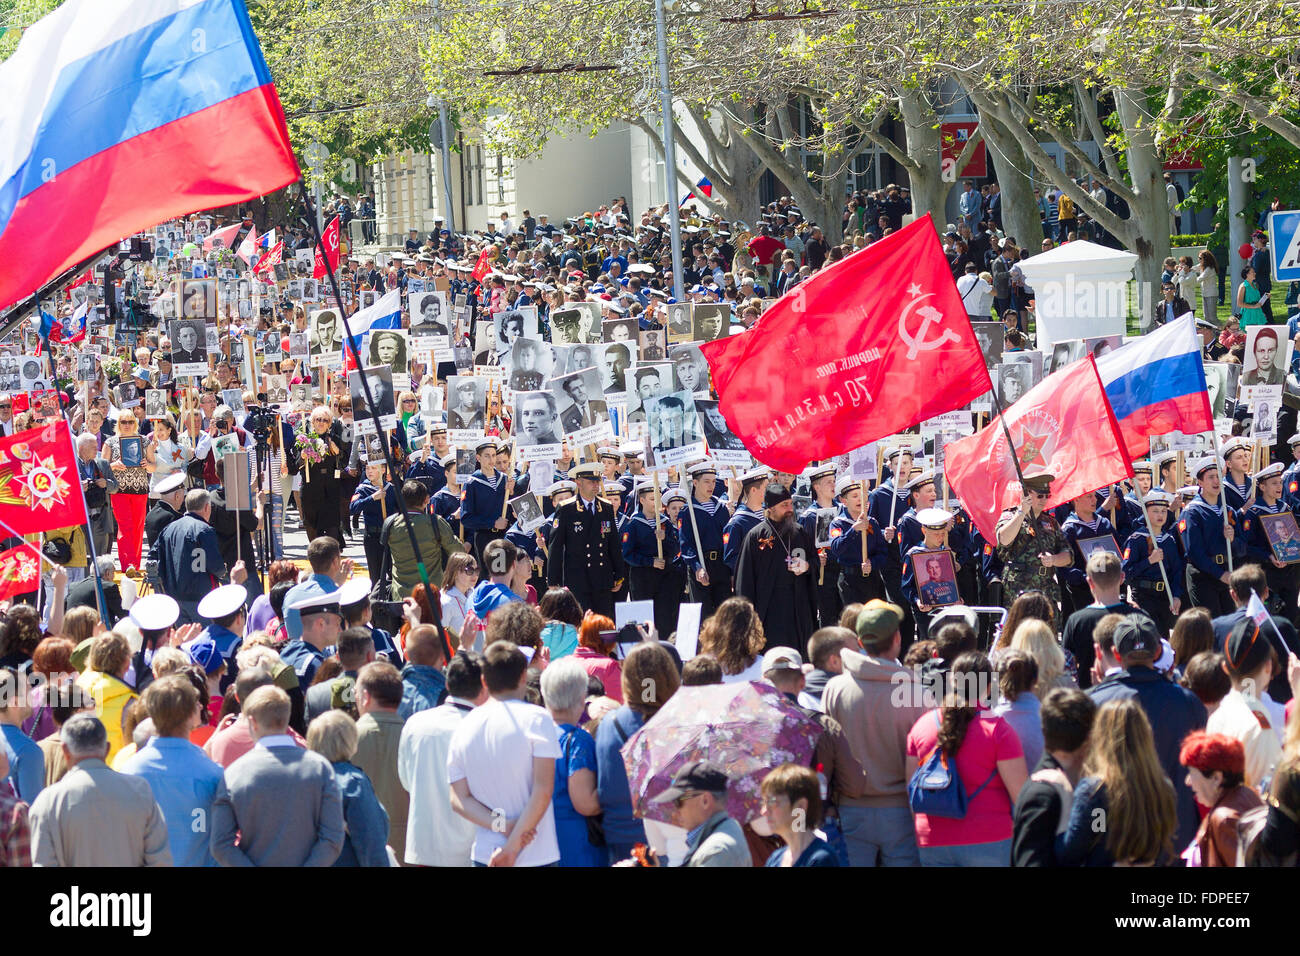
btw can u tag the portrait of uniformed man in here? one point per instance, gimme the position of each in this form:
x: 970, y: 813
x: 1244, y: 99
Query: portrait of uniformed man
x: 189, y: 342
x: 539, y: 420
x: 1265, y: 357
x: 529, y: 365
x: 466, y: 401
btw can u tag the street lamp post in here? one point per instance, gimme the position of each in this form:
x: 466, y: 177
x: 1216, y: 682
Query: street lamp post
x: 670, y: 150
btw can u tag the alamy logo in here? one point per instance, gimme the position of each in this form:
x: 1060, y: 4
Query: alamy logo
x: 77, y: 909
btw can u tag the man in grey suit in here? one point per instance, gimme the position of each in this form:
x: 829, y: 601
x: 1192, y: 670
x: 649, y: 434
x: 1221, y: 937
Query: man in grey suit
x: 96, y: 816
x: 280, y: 799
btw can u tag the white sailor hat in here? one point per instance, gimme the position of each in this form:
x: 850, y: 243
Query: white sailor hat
x: 614, y: 307
x: 1294, y: 440
x: 325, y: 603
x: 642, y: 485
x: 894, y: 453
x: 1188, y: 492
x: 353, y: 591
x: 223, y: 602
x: 699, y: 469
x: 503, y: 444
x: 1236, y: 444
x: 1158, y: 461
x: 820, y: 471
x: 448, y: 461
x: 1204, y: 465
x: 756, y: 473
x: 633, y: 449
x: 561, y: 486
x: 846, y: 483
x: 170, y: 483
x: 924, y: 478
x: 588, y: 469
x: 484, y: 444
x: 1158, y: 496
x: 934, y: 518
x: 609, y: 485
x: 607, y: 451
x: 673, y: 494
x: 155, y: 612
x: 1269, y: 471
x: 1142, y: 467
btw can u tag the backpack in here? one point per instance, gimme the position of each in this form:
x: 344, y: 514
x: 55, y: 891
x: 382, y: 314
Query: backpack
x: 936, y: 788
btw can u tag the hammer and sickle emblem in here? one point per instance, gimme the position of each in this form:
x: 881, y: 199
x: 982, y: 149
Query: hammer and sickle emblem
x: 929, y: 316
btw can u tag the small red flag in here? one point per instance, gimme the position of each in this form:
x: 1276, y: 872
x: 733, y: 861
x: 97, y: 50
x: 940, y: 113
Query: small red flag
x: 484, y: 265
x: 20, y: 571
x: 40, y: 486
x: 1062, y: 426
x: 330, y: 239
x: 863, y: 349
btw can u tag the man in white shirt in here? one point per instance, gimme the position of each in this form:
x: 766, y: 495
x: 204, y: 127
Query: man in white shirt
x: 436, y: 835
x: 976, y: 294
x: 501, y: 765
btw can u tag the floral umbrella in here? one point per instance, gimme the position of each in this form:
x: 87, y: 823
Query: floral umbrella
x: 746, y: 728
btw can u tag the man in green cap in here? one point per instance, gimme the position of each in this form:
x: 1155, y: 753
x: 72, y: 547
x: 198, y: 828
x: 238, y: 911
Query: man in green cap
x: 1031, y: 545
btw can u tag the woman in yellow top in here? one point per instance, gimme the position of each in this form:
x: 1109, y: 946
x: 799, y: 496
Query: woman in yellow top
x: 104, y: 679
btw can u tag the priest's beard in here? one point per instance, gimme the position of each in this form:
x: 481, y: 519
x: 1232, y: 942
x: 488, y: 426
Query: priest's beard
x: 784, y: 528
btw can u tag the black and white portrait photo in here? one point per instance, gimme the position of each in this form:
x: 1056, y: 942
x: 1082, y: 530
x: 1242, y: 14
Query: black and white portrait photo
x: 277, y: 389
x: 537, y: 425
x: 299, y: 346
x: 272, y: 346
x: 388, y: 347
x: 155, y: 403
x: 716, y: 430
x: 674, y: 431
x: 429, y: 315
x: 648, y: 381
x: 710, y: 320
x: 530, y: 365
x: 690, y: 368
x: 679, y: 322
x: 380, y: 380
x: 189, y: 339
x: 326, y: 332
x: 128, y: 395
x: 465, y: 400
x: 617, y: 360
x: 528, y: 511
x: 578, y: 357
x: 989, y: 336
x: 511, y: 325
x: 618, y: 330
x: 1013, y: 381
x: 581, y: 404
x: 87, y: 370
x: 652, y: 345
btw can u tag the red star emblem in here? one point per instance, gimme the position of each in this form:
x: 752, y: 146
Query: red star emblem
x: 1029, y: 446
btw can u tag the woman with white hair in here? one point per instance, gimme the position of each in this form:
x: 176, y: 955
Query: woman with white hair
x: 564, y: 691
x: 333, y: 735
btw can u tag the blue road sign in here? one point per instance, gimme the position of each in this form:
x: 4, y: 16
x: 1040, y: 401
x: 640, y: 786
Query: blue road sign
x: 1284, y: 244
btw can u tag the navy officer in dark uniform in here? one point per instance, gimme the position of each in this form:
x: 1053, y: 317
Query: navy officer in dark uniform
x: 586, y: 554
x: 651, y: 577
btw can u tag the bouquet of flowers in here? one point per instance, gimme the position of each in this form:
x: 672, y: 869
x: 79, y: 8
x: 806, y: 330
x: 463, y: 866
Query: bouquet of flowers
x: 309, y: 447
x: 111, y: 365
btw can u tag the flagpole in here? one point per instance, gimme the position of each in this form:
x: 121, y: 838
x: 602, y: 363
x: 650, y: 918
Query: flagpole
x: 381, y: 432
x: 1223, y: 498
x: 76, y: 460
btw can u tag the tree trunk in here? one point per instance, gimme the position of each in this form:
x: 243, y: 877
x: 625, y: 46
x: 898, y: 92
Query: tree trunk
x: 925, y: 172
x: 1150, y: 213
x: 1019, y: 209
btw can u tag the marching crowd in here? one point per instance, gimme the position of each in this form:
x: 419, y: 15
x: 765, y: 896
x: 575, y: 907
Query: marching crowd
x: 968, y: 701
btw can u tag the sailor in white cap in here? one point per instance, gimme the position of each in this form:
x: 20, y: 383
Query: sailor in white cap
x: 748, y: 514
x: 859, y: 578
x: 1145, y: 551
x: 155, y: 615
x: 170, y: 495
x: 821, y: 483
x: 651, y: 577
x: 321, y: 625
x: 226, y: 611
x: 1272, y: 540
x: 887, y: 502
x: 1291, y: 477
x: 633, y: 453
x: 1208, y: 529
x: 483, y: 506
x: 354, y: 606
x: 929, y: 568
x: 1238, y: 489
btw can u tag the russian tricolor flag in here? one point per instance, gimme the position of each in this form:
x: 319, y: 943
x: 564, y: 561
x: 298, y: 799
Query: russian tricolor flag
x: 1156, y: 385
x: 705, y: 189
x: 120, y: 114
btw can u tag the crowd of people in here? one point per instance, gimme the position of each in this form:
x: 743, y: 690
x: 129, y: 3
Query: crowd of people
x: 470, y: 698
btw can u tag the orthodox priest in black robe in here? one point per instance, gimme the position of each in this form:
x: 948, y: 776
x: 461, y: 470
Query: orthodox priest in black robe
x: 776, y: 571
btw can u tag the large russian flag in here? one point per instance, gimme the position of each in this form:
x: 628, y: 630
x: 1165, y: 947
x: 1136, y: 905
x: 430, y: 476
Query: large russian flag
x: 120, y: 114
x: 1156, y: 385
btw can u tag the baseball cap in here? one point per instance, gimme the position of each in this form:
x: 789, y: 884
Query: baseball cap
x: 782, y: 659
x: 694, y: 777
x: 878, y: 620
x: 1137, y: 634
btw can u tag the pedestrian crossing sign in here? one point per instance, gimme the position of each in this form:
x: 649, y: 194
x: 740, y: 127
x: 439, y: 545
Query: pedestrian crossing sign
x: 1284, y: 244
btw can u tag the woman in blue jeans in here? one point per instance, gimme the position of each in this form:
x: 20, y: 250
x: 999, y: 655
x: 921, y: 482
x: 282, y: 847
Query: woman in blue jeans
x: 564, y: 689
x: 649, y: 678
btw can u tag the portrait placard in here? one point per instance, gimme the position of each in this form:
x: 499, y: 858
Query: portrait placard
x: 935, y: 577
x: 1283, y: 536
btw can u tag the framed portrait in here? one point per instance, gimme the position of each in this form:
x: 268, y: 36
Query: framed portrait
x: 528, y: 512
x: 989, y: 336
x: 1100, y: 345
x: 380, y: 380
x: 155, y: 403
x: 674, y: 430
x: 388, y: 347
x: 583, y: 410
x: 1216, y: 383
x: 277, y: 389
x: 326, y: 331
x: 1013, y: 381
x: 822, y: 537
x: 1283, y: 536
x: 690, y: 368
x: 1064, y: 353
x: 935, y: 577
x: 1102, y: 542
x: 430, y: 316
x: 510, y: 325
x: 466, y: 396
x: 679, y: 324
x: 128, y: 395
x: 132, y: 450
x: 1267, y: 355
x: 531, y: 362
x: 618, y: 330
x: 538, y: 432
x: 653, y: 345
x: 710, y: 320
x: 189, y: 338
x: 1030, y: 358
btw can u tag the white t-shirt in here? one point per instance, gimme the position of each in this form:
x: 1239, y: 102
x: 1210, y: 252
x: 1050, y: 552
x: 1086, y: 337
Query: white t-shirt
x: 976, y: 294
x: 753, y: 672
x: 493, y: 749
